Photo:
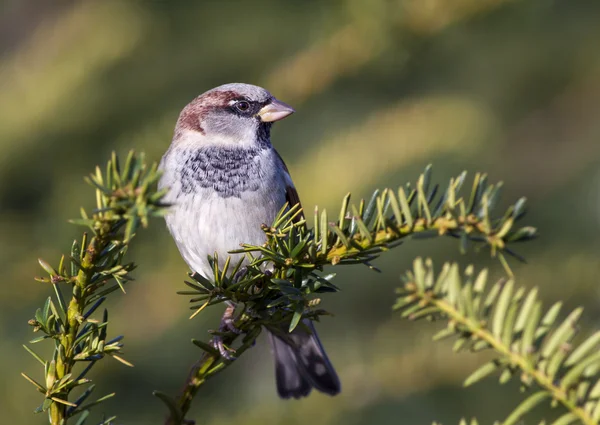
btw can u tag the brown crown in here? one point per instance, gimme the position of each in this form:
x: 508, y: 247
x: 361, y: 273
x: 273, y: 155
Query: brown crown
x: 192, y: 115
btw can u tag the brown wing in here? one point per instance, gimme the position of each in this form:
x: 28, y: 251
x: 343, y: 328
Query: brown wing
x: 291, y: 194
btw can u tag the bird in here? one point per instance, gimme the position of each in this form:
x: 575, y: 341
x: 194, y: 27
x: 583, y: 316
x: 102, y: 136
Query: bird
x: 224, y: 179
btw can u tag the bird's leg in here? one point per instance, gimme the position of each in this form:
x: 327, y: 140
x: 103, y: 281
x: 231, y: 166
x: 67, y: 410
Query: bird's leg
x: 227, y: 320
x: 227, y: 324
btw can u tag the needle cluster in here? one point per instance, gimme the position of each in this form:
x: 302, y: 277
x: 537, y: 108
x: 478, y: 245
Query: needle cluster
x: 94, y: 268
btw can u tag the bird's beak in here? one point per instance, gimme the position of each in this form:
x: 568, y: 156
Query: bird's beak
x: 275, y: 111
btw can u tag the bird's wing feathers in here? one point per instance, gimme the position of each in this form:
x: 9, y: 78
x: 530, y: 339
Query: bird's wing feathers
x: 292, y: 198
x: 291, y: 194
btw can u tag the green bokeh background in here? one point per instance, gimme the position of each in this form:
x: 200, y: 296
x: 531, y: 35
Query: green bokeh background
x: 381, y: 88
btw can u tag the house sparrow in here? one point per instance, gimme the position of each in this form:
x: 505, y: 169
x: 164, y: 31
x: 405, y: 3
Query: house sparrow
x: 224, y: 180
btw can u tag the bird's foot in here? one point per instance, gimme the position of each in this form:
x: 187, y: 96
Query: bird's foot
x: 227, y: 325
x: 225, y: 352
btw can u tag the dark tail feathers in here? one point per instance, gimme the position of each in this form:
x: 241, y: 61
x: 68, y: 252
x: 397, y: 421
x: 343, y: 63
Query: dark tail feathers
x: 301, y: 363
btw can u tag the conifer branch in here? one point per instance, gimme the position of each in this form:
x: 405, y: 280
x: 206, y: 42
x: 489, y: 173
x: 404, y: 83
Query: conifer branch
x: 510, y: 321
x: 295, y: 257
x: 94, y: 268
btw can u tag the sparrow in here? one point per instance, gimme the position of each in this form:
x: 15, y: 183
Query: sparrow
x: 224, y: 180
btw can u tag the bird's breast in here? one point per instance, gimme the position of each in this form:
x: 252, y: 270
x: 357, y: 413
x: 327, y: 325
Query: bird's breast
x: 228, y: 172
x: 220, y: 199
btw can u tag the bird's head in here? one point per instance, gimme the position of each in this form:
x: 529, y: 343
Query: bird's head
x: 233, y: 114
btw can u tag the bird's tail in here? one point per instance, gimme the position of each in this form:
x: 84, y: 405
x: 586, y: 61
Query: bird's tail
x: 301, y: 363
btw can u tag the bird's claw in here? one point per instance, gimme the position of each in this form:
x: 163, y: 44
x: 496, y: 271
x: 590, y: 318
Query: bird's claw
x: 227, y: 324
x: 224, y: 351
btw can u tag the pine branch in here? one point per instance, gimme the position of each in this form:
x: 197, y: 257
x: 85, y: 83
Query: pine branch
x: 295, y: 257
x: 94, y: 268
x: 510, y: 321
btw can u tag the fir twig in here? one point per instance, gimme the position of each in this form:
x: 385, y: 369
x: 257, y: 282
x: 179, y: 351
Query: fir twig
x: 125, y: 199
x: 529, y: 344
x: 296, y: 257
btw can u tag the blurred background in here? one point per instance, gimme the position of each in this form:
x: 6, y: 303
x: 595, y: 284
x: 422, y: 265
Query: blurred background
x: 381, y: 89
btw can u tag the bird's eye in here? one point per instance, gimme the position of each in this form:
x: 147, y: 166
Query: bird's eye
x: 242, y: 105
